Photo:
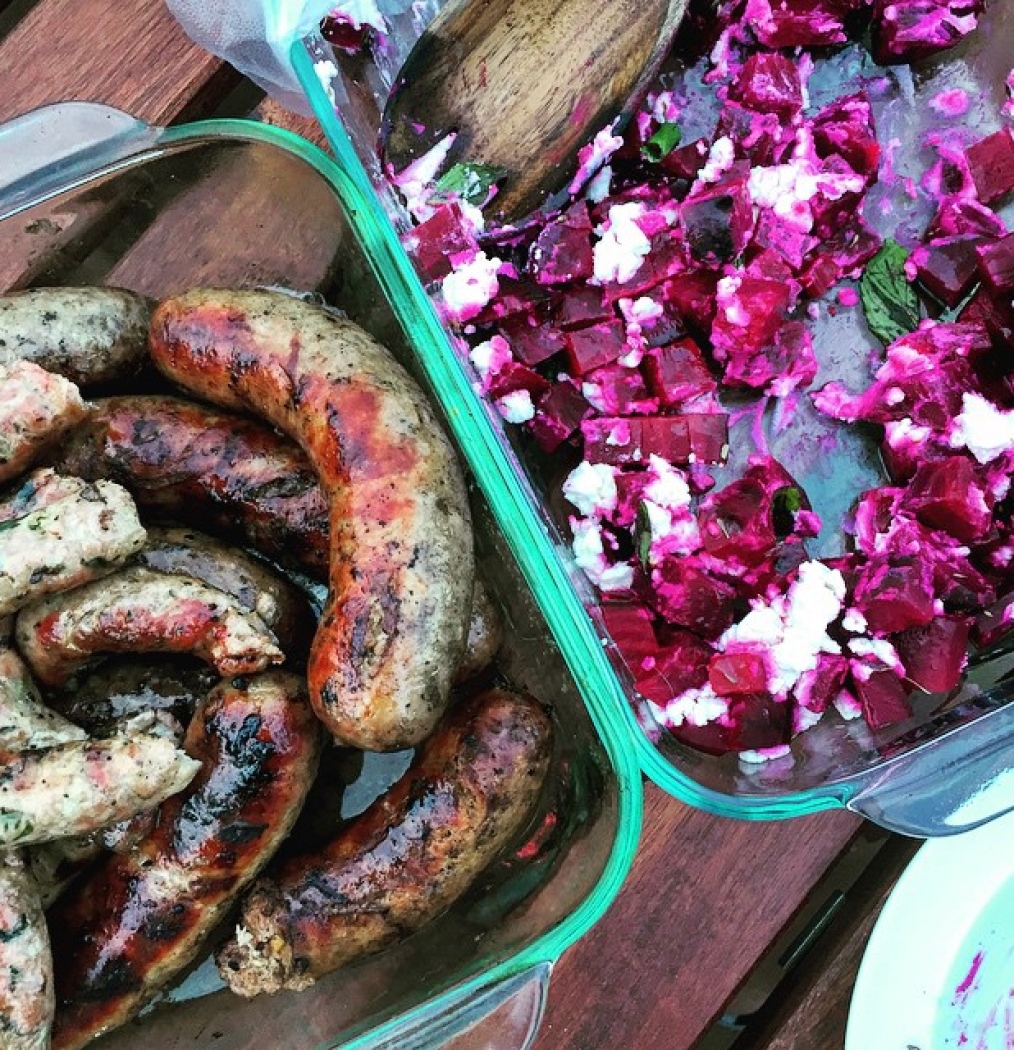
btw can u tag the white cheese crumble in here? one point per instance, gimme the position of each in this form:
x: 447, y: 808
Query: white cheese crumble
x: 985, y: 430
x: 470, y: 287
x: 516, y: 407
x: 590, y: 556
x: 874, y: 652
x: 489, y: 358
x: 721, y: 157
x: 668, y: 488
x: 697, y: 707
x: 591, y: 487
x: 764, y: 754
x: 854, y: 622
x: 622, y: 246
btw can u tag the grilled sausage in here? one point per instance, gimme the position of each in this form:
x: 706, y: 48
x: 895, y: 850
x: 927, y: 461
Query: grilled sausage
x: 79, y: 787
x: 138, y: 610
x: 25, y: 722
x: 26, y: 965
x: 129, y: 928
x: 406, y: 859
x: 393, y: 630
x: 485, y: 633
x: 283, y: 608
x: 127, y: 686
x: 87, y: 335
x: 57, y: 533
x: 36, y: 409
x: 230, y: 475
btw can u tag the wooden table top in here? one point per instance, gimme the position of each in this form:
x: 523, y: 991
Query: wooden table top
x: 709, y: 900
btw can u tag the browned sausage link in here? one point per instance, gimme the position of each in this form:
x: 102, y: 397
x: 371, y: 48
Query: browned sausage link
x: 130, y: 927
x: 406, y: 859
x: 283, y: 608
x: 140, y: 611
x: 401, y: 566
x: 230, y: 475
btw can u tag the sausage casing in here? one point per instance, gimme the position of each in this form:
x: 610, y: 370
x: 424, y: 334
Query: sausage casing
x: 228, y: 474
x: 127, y: 929
x: 88, y: 335
x: 406, y: 859
x: 401, y: 565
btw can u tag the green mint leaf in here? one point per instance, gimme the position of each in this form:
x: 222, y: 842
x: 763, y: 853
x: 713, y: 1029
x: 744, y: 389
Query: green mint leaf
x: 642, y: 537
x: 662, y: 143
x: 889, y: 301
x: 471, y: 182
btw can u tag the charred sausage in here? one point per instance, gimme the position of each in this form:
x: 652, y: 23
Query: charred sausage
x: 36, y: 409
x: 283, y: 608
x: 82, y: 786
x: 26, y: 965
x: 87, y: 335
x: 393, y: 630
x: 138, y: 610
x: 126, y: 930
x: 231, y: 475
x: 57, y: 533
x: 406, y: 859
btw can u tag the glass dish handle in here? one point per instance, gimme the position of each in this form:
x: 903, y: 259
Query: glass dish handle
x: 949, y: 784
x: 505, y: 1016
x: 51, y: 148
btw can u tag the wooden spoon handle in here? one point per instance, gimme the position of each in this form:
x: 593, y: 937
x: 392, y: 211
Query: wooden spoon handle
x: 524, y: 83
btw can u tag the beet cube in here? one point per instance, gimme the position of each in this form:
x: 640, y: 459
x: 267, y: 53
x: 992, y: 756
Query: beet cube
x: 589, y: 348
x: 884, y: 699
x: 907, y: 30
x: 961, y: 215
x: 785, y: 238
x: 709, y: 436
x: 753, y: 722
x: 731, y: 674
x: 668, y: 327
x: 994, y: 622
x: 693, y: 295
x: 948, y: 495
x: 532, y: 341
x: 718, y: 221
x: 686, y: 161
x: 631, y: 627
x: 678, y: 372
x: 558, y: 415
x: 581, y: 307
x: 562, y: 253
x: 750, y: 311
x: 623, y: 441
x: 690, y: 597
x: 991, y: 163
x: 433, y: 242
x: 935, y: 655
x: 947, y: 268
x: 846, y: 128
x: 680, y: 664
x: 619, y: 391
x: 769, y: 83
x: 802, y: 23
x: 816, y: 689
x: 786, y: 364
x: 513, y: 377
x: 894, y: 598
x: 759, y: 138
x: 996, y: 265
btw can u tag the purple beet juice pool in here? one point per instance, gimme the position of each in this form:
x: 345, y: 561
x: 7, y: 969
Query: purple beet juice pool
x: 774, y: 353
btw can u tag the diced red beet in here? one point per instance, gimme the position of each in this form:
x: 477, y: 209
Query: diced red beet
x: 532, y: 341
x: 686, y: 161
x: 788, y: 363
x: 769, y: 83
x: 693, y: 295
x: 690, y: 597
x: 340, y: 32
x: 831, y: 210
x: 851, y: 247
x: 934, y: 656
x: 709, y: 436
x: 601, y: 344
x: 996, y: 265
x: 908, y: 30
x: 678, y: 372
x: 991, y: 163
x: 845, y: 128
x: 681, y: 663
x: 562, y: 252
x: 558, y: 415
x: 732, y: 674
x: 748, y: 316
x: 815, y: 689
x: 580, y: 307
x: 994, y: 622
x: 787, y: 239
x: 803, y: 23
x: 884, y: 699
x: 666, y: 258
x: 513, y: 377
x: 718, y: 221
x: 957, y: 216
x: 760, y: 139
x: 433, y: 242
x: 628, y: 440
x: 631, y: 627
x: 667, y: 328
x: 995, y: 315
x: 947, y: 268
x: 895, y: 597
x: 620, y: 391
x: 948, y: 494
x: 753, y: 722
x: 767, y: 263
x: 630, y: 486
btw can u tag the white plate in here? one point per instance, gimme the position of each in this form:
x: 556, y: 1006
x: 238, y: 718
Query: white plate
x: 938, y: 972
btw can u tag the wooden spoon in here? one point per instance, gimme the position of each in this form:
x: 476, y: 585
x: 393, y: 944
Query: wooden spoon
x: 524, y: 83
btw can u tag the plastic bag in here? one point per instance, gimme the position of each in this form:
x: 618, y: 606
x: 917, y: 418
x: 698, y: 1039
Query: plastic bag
x: 255, y: 37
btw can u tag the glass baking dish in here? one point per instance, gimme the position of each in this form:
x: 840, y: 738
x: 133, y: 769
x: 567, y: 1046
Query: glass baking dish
x: 950, y: 767
x: 90, y: 196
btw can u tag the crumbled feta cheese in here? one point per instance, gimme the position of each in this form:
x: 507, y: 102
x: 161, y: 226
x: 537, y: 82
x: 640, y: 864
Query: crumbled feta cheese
x: 854, y: 622
x: 592, y: 157
x: 326, y: 72
x: 668, y: 488
x: 764, y: 754
x: 847, y: 706
x: 516, y: 407
x: 721, y: 157
x: 804, y: 718
x: 591, y: 487
x: 874, y: 654
x: 985, y: 430
x: 622, y: 245
x: 470, y: 287
x: 697, y: 707
x: 590, y: 556
x: 489, y: 358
